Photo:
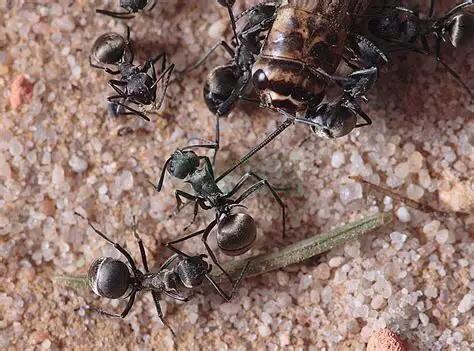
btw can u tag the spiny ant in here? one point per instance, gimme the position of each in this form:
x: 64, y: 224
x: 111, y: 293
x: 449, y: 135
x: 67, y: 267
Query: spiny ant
x: 111, y: 278
x: 138, y: 85
x: 130, y: 7
x: 236, y: 232
x: 405, y: 30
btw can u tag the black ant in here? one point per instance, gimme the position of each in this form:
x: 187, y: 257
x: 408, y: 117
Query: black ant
x: 111, y: 278
x: 406, y: 30
x: 137, y: 84
x: 131, y: 7
x: 236, y: 232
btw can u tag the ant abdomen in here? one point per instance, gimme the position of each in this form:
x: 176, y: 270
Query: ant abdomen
x: 236, y: 233
x: 461, y: 30
x: 109, y: 277
x: 109, y: 48
x: 219, y: 86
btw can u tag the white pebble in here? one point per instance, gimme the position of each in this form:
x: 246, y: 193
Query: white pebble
x: 57, y: 177
x: 415, y: 192
x: 402, y: 170
x: 398, y: 239
x: 424, y: 319
x: 125, y: 181
x: 466, y: 303
x: 431, y: 292
x: 403, y: 215
x: 77, y: 164
x: 338, y: 159
x: 350, y: 192
x: 336, y: 261
x: 442, y: 236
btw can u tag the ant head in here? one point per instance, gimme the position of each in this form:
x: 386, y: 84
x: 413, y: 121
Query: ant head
x: 334, y: 120
x: 133, y: 4
x: 109, y: 48
x: 183, y: 163
x: 192, y: 270
x: 226, y: 3
x: 109, y: 277
x: 236, y: 233
x: 460, y: 29
x: 219, y: 86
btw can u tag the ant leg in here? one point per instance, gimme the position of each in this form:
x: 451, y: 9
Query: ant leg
x: 115, y: 84
x: 116, y: 315
x: 363, y: 115
x: 201, y: 61
x: 156, y: 299
x: 455, y: 9
x: 179, y: 193
x: 288, y: 122
x: 140, y: 244
x: 234, y: 287
x: 164, y: 78
x: 195, y: 213
x: 176, y: 296
x: 432, y: 7
x: 170, y: 244
x: 225, y: 108
x: 108, y: 70
x: 136, y: 112
x: 169, y: 261
x: 228, y: 5
x: 152, y: 6
x: 261, y: 182
x: 114, y: 244
x: 119, y: 15
x: 450, y: 70
x: 204, y: 237
x: 162, y: 176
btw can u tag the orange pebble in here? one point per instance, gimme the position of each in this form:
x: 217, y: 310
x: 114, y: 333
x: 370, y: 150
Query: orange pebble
x: 386, y: 340
x: 21, y: 91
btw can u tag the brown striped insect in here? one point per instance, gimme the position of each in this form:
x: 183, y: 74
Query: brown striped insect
x: 303, y: 46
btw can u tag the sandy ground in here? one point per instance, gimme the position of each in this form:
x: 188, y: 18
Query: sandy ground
x: 59, y: 153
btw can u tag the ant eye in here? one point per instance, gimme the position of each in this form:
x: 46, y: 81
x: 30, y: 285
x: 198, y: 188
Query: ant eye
x: 260, y: 80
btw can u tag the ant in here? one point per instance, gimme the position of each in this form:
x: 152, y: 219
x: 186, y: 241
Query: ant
x: 131, y: 7
x: 137, y: 84
x: 113, y: 279
x: 236, y: 232
x: 405, y: 31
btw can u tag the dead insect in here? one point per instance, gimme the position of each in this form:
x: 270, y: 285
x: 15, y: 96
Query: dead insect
x: 111, y: 278
x: 407, y: 30
x: 131, y: 7
x: 236, y: 232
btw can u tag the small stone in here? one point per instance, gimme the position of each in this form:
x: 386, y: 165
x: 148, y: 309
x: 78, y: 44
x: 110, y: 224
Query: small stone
x: 431, y: 228
x: 467, y: 303
x: 350, y: 192
x: 415, y: 192
x: 402, y: 170
x: 377, y: 302
x: 322, y: 272
x: 77, y: 164
x: 386, y: 340
x: 423, y: 319
x: 125, y: 181
x: 338, y: 159
x: 264, y: 330
x: 442, y: 236
x: 57, y: 176
x: 336, y: 261
x: 403, y: 215
x: 352, y: 249
x: 218, y: 28
x: 431, y: 292
x: 21, y: 91
x: 398, y: 239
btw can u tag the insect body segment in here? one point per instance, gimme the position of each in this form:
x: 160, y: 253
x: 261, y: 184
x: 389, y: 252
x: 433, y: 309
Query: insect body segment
x: 113, y: 279
x: 236, y: 232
